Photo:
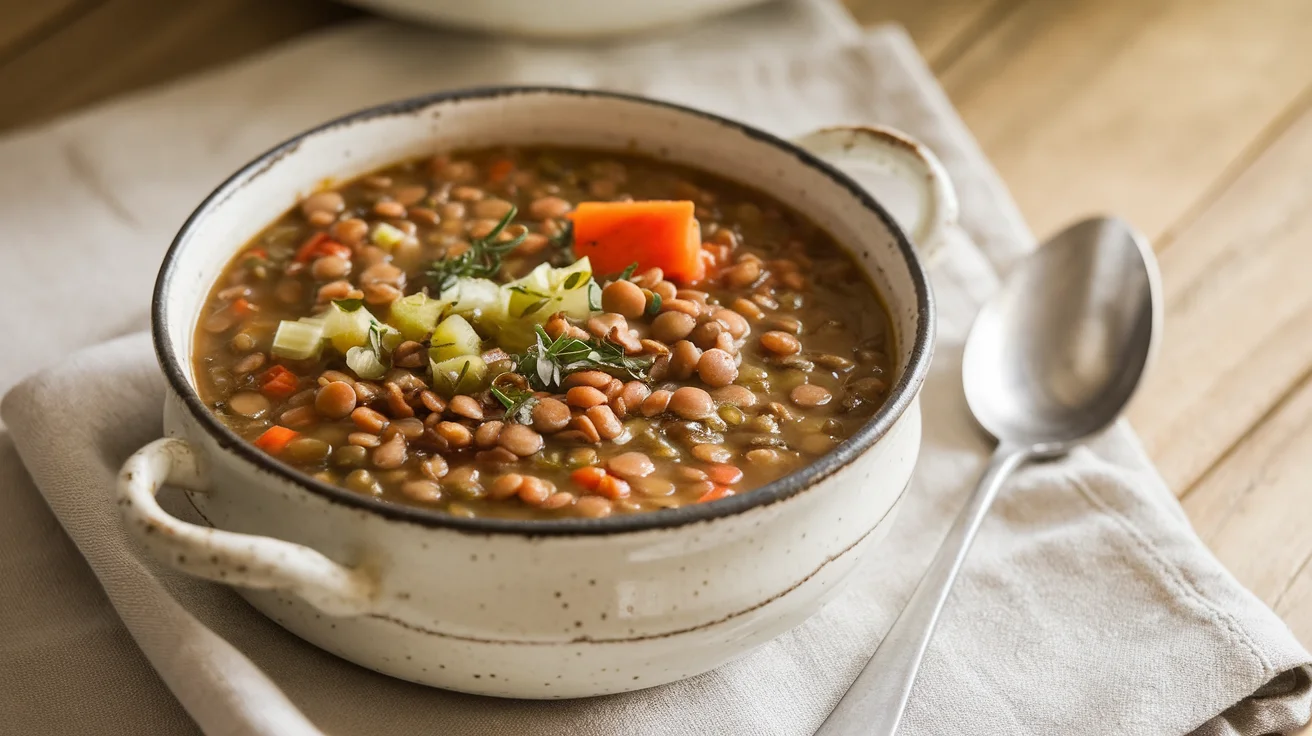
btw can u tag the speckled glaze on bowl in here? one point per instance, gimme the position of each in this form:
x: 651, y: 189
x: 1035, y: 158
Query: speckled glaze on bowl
x: 537, y: 609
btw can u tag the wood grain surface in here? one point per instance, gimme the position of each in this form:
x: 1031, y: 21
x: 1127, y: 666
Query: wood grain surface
x: 1192, y: 118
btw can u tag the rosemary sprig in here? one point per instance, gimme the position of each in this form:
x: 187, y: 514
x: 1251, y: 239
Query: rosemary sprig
x: 519, y: 402
x: 482, y: 259
x: 548, y: 361
x: 562, y: 245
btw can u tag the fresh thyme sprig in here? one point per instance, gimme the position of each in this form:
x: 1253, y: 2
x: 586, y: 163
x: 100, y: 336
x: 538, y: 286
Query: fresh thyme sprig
x: 519, y: 402
x: 482, y: 259
x: 548, y: 361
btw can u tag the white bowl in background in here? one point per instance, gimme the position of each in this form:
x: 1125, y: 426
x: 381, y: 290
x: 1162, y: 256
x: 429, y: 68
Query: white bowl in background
x: 559, y: 19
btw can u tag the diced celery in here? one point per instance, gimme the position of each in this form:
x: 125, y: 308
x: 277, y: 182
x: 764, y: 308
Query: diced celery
x: 347, y: 329
x: 545, y: 290
x: 454, y: 337
x: 563, y: 278
x: 298, y: 340
x: 386, y: 236
x: 525, y: 303
x: 481, y: 298
x: 416, y: 315
x: 365, y: 364
x: 390, y: 336
x: 462, y: 375
x: 578, y: 293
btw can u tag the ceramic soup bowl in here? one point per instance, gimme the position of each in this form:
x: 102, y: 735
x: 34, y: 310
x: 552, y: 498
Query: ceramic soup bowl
x: 540, y: 609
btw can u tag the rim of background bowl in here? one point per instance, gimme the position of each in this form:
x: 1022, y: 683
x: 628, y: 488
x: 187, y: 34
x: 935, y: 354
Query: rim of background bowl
x: 899, y: 399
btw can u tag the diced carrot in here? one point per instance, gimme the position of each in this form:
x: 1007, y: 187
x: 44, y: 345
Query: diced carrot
x: 655, y: 234
x: 588, y: 477
x: 306, y: 252
x: 612, y: 487
x: 278, y: 382
x: 498, y: 170
x: 257, y: 253
x: 318, y: 245
x: 273, y: 372
x: 715, y: 494
x: 275, y: 439
x: 333, y: 248
x: 242, y: 307
x: 724, y: 475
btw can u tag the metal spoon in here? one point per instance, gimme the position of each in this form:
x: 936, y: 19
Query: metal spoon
x: 1051, y: 360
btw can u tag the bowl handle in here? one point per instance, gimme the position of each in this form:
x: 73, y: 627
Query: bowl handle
x: 901, y: 173
x: 223, y: 556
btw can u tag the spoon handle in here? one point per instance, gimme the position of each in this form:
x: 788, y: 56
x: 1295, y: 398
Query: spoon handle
x: 876, y: 700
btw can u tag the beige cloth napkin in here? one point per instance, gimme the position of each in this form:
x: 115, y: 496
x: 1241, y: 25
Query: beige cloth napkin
x: 1088, y: 605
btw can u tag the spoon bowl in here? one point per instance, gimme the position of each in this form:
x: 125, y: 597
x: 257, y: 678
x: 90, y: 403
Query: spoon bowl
x: 1051, y: 360
x: 1057, y: 352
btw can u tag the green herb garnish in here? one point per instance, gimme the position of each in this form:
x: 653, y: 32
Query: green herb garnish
x: 562, y: 243
x: 349, y: 305
x: 519, y: 402
x: 481, y: 261
x: 655, y: 305
x: 627, y: 274
x: 548, y: 361
x: 376, y: 342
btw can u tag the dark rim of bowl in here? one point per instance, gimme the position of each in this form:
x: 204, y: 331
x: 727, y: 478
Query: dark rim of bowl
x: 900, y: 397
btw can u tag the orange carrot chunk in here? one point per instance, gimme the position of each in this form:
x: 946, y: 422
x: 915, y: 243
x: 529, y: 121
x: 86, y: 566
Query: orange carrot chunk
x: 724, y: 475
x: 589, y: 477
x: 500, y: 169
x: 613, y: 488
x: 715, y: 494
x: 275, y: 439
x: 278, y: 382
x: 654, y: 234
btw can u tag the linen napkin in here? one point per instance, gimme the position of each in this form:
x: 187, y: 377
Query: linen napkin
x: 1088, y: 606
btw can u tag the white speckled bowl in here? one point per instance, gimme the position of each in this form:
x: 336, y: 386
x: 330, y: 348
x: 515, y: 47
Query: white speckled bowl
x: 560, y: 19
x: 537, y: 609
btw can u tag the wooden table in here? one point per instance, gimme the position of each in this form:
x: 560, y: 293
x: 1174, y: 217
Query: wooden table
x: 1192, y: 118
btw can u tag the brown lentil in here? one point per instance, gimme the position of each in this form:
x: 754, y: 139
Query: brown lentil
x: 520, y: 439
x: 738, y: 396
x: 298, y: 417
x: 809, y: 395
x: 585, y: 397
x: 608, y: 425
x: 534, y: 491
x: 465, y: 406
x: 690, y: 402
x: 550, y: 415
x: 717, y: 368
x: 249, y: 404
x: 330, y: 202
x: 390, y: 454
x: 455, y: 435
x: 630, y: 465
x: 593, y: 507
x: 422, y: 491
x: 505, y: 486
x: 780, y: 343
x: 684, y: 357
x: 656, y: 403
x: 335, y: 400
x: 487, y: 434
x: 712, y: 453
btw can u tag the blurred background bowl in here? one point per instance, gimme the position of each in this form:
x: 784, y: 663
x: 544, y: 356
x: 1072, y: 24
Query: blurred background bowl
x: 558, y: 19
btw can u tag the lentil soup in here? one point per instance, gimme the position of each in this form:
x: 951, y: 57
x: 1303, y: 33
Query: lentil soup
x: 543, y: 333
